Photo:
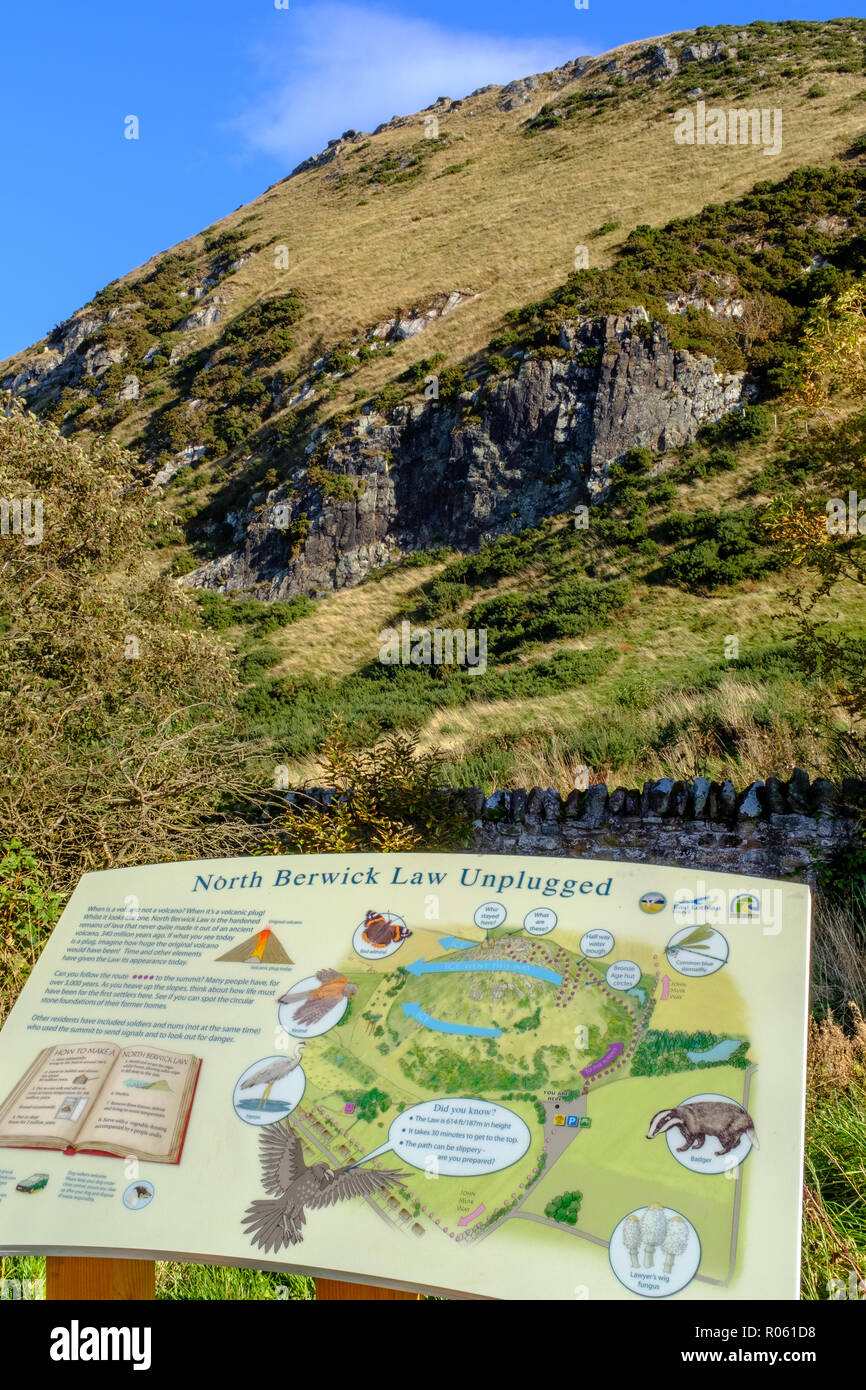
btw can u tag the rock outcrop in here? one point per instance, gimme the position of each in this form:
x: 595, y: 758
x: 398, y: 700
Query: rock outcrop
x: 460, y: 471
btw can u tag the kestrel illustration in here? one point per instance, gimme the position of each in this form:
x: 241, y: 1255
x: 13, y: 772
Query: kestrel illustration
x: 316, y: 1003
x: 296, y: 1187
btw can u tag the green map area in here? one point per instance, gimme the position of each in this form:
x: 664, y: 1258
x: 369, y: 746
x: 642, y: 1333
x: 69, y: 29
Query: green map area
x: 533, y: 1026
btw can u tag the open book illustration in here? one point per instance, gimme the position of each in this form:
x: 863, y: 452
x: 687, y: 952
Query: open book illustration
x: 101, y: 1099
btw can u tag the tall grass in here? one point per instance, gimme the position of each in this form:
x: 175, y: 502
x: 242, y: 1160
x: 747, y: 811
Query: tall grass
x: 834, y: 1212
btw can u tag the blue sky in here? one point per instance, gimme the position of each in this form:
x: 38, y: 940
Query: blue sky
x: 230, y: 96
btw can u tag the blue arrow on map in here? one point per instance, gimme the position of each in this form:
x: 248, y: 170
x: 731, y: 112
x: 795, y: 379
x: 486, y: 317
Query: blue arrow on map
x: 514, y: 967
x: 468, y: 1029
x: 453, y: 943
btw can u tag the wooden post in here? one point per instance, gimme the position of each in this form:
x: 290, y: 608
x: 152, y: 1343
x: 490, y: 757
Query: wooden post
x: 336, y: 1291
x: 75, y: 1279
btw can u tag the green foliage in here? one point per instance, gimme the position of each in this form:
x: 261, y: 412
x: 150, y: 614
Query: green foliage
x: 565, y: 1208
x: 29, y: 908
x: 761, y: 241
x: 725, y: 548
x: 570, y: 609
x: 529, y: 1023
x: 220, y: 613
x: 133, y: 722
x: 660, y: 1052
x: 452, y: 380
x: 635, y: 464
x: 497, y: 363
x: 262, y: 333
x: 388, y: 797
x: 399, y: 166
x: 382, y: 698
x: 368, y: 1104
x: 183, y: 564
x: 255, y: 663
x: 753, y: 424
x: 449, y: 1073
x: 335, y: 487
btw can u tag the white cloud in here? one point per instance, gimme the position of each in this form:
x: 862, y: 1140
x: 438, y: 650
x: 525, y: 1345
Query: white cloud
x: 339, y: 66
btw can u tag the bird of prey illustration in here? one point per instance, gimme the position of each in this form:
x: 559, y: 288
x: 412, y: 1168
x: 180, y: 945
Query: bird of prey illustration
x: 295, y: 1187
x: 269, y: 1075
x: 141, y: 1192
x: 316, y: 1003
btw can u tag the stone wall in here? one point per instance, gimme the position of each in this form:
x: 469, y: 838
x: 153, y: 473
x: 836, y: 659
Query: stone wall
x: 773, y: 829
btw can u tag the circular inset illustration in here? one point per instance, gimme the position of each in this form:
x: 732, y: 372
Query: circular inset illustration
x: 138, y: 1195
x: 270, y: 1089
x: 315, y: 1004
x: 652, y: 902
x: 728, y: 1129
x: 597, y: 942
x: 623, y: 974
x: 697, y: 951
x: 540, y: 921
x: 654, y: 1251
x: 746, y: 907
x: 380, y: 935
x: 489, y: 915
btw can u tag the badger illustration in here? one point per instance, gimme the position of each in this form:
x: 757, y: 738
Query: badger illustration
x: 724, y: 1119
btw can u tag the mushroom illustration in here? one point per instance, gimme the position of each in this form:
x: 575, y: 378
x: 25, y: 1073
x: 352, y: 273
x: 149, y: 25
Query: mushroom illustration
x: 631, y: 1239
x: 675, y: 1241
x: 653, y: 1226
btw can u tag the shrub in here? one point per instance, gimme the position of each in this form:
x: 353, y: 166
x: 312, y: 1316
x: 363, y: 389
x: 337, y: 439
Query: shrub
x: 183, y: 564
x: 389, y: 797
x: 150, y: 738
x: 452, y: 380
x: 335, y: 487
x: 253, y: 665
x: 727, y: 549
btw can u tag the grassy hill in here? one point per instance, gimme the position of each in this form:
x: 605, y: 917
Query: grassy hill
x: 493, y: 207
x: 611, y: 646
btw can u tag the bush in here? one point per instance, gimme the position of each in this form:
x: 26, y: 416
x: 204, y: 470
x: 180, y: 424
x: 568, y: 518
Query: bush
x: 564, y: 1208
x: 752, y: 424
x: 255, y: 663
x: 183, y: 564
x: 635, y: 464
x: 452, y: 380
x: 263, y: 330
x: 728, y: 549
x: 389, y: 797
x: 335, y: 487
x: 149, y: 737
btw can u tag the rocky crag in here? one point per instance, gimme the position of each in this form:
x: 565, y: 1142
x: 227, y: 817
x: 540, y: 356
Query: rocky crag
x: 460, y: 471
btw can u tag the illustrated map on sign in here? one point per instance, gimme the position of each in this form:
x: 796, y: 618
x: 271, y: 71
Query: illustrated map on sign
x: 506, y: 1077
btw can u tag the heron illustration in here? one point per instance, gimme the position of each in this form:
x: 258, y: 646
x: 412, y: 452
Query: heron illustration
x: 295, y: 1186
x: 269, y: 1075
